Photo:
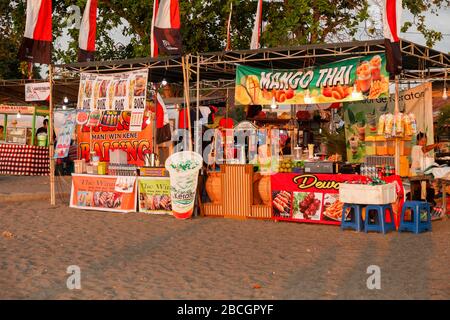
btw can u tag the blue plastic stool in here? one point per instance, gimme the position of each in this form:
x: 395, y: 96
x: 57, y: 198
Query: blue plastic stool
x: 416, y: 224
x: 380, y: 224
x: 355, y: 222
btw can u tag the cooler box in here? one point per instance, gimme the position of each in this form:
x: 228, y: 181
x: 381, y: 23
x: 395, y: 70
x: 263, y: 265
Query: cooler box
x: 366, y: 194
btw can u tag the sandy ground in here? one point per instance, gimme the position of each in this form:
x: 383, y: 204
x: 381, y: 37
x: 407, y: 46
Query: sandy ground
x: 138, y: 256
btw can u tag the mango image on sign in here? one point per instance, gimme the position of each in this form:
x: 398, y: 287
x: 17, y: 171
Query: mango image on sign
x: 242, y: 95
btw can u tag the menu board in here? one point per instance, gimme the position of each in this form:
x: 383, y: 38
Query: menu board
x: 120, y: 91
x: 154, y: 195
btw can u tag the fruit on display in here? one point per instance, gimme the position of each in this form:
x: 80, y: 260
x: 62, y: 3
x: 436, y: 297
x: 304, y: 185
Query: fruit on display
x: 288, y: 165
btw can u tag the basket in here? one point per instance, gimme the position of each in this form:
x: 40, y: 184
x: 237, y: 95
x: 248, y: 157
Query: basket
x: 366, y: 194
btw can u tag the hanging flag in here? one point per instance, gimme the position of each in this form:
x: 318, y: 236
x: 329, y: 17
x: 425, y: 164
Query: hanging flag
x: 228, y: 47
x: 254, y: 44
x: 167, y: 27
x: 153, y: 43
x: 37, y: 41
x: 391, y: 28
x: 163, y: 131
x: 88, y: 32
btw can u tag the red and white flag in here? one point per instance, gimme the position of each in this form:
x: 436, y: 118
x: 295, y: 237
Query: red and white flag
x: 163, y: 131
x: 88, y: 32
x: 228, y: 47
x: 36, y: 45
x: 153, y: 43
x: 166, y: 27
x: 254, y: 44
x: 392, y: 11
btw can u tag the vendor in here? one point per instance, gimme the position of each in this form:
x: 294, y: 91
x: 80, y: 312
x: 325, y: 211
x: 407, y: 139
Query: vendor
x: 419, y: 154
x: 44, y: 129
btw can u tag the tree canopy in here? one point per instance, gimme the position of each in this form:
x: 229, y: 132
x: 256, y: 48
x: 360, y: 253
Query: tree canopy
x: 286, y: 22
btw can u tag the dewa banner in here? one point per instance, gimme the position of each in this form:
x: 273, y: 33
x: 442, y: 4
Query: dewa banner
x: 120, y: 91
x: 314, y: 198
x: 106, y: 138
x: 362, y: 118
x: 351, y: 79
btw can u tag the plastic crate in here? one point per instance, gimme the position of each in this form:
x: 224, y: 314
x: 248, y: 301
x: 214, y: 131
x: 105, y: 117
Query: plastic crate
x: 366, y: 194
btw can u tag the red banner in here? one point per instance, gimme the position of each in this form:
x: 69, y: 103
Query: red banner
x: 314, y: 198
x: 105, y: 138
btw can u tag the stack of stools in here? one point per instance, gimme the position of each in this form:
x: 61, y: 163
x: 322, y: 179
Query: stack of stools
x: 352, y: 217
x: 375, y: 219
x: 415, y: 224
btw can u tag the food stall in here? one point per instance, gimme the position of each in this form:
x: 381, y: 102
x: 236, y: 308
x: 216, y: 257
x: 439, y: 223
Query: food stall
x: 115, y: 139
x: 19, y: 152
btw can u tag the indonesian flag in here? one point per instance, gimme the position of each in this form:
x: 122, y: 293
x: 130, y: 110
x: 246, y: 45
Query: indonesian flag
x: 254, y: 44
x: 36, y: 45
x: 153, y: 43
x: 166, y: 27
x: 163, y: 132
x: 391, y: 28
x: 88, y: 32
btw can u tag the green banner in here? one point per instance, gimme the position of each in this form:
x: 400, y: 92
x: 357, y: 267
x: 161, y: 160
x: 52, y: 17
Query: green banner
x: 351, y: 79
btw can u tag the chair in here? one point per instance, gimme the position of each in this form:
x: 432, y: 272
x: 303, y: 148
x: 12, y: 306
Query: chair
x: 379, y: 223
x: 352, y: 220
x: 416, y: 224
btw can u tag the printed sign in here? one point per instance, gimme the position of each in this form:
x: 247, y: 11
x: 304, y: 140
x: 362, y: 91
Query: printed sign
x: 154, y: 195
x: 93, y: 192
x: 65, y: 135
x: 15, y: 109
x: 120, y: 91
x: 105, y: 138
x: 314, y: 198
x: 346, y: 80
x: 110, y: 118
x: 37, y: 91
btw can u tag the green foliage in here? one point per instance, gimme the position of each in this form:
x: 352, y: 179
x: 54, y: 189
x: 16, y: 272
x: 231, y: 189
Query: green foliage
x: 289, y: 22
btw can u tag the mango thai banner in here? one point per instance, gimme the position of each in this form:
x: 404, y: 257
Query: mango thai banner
x: 105, y: 138
x: 154, y: 195
x: 120, y: 91
x: 362, y: 119
x: 351, y: 79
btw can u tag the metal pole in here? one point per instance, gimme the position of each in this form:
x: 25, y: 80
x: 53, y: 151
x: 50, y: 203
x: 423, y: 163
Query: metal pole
x: 198, y: 141
x: 51, y: 142
x: 397, y: 140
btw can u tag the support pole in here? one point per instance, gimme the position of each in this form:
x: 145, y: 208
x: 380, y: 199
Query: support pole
x: 51, y: 142
x: 397, y: 140
x: 185, y: 66
x: 33, y: 127
x: 198, y: 141
x: 5, y: 124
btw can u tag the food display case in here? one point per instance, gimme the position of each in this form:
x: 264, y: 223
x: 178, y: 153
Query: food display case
x: 18, y: 135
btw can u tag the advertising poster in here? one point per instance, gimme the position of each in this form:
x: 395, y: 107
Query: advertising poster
x: 37, y: 91
x: 106, y: 138
x: 65, y: 135
x: 362, y: 118
x: 154, y: 195
x: 314, y: 198
x: 121, y: 91
x: 351, y: 79
x: 94, y: 192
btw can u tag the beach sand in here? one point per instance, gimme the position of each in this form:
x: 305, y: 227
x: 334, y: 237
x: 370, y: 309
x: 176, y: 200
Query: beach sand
x: 138, y: 256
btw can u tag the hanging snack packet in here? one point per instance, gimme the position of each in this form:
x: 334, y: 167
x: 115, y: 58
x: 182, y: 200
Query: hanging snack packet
x: 381, y: 124
x: 389, y: 125
x: 398, y: 125
x: 408, y: 127
x: 412, y: 117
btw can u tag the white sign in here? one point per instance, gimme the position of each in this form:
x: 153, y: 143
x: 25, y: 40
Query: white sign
x: 37, y: 91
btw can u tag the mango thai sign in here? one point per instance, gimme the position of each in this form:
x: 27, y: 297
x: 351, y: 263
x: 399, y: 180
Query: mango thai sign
x: 351, y: 79
x: 106, y: 138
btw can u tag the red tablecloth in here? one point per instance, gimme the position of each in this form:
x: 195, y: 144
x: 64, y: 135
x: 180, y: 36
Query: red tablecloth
x: 24, y: 160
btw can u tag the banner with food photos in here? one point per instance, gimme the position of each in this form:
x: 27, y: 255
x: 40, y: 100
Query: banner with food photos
x: 119, y: 91
x: 352, y: 79
x: 154, y: 195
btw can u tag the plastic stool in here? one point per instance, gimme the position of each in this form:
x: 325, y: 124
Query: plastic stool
x: 380, y: 224
x: 416, y: 224
x: 355, y: 214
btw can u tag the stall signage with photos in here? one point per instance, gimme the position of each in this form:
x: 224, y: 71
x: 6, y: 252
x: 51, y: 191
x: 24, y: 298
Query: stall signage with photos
x: 8, y: 109
x: 106, y: 138
x: 65, y: 135
x: 37, y: 91
x: 351, y: 79
x: 362, y: 118
x: 154, y: 195
x: 121, y: 91
x: 93, y: 192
